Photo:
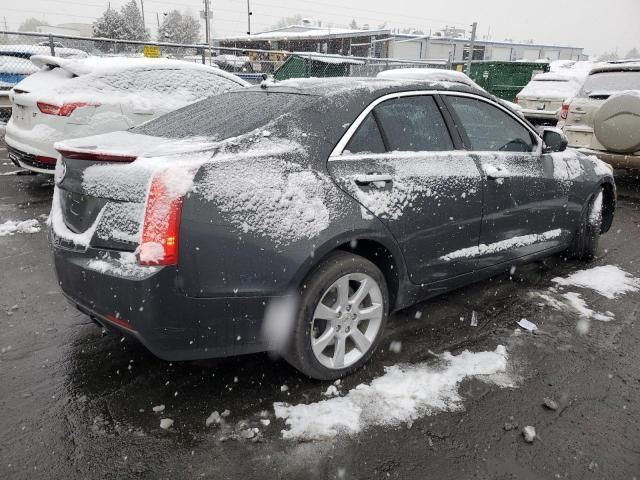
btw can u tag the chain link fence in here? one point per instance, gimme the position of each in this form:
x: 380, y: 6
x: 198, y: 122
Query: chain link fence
x: 16, y: 48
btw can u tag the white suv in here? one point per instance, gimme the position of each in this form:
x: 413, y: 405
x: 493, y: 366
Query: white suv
x: 68, y: 99
x: 603, y: 118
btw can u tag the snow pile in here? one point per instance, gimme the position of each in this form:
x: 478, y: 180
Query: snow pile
x: 515, y: 242
x: 609, y: 281
x: 578, y: 305
x: 274, y: 198
x: 121, y: 264
x: 595, y: 215
x: 11, y: 227
x: 599, y: 167
x: 401, y: 395
x: 567, y: 167
x: 59, y: 227
x: 139, y: 85
x: 413, y: 175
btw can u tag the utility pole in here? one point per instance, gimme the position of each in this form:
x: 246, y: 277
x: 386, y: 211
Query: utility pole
x: 206, y: 21
x: 249, y: 13
x: 142, y: 12
x: 472, y: 47
x: 158, y: 20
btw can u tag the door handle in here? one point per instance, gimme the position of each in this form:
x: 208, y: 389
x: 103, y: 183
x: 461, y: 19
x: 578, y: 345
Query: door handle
x: 495, y: 173
x: 377, y: 180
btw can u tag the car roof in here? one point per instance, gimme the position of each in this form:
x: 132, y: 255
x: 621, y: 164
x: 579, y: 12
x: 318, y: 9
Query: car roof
x: 364, y: 86
x: 111, y: 65
x: 617, y: 67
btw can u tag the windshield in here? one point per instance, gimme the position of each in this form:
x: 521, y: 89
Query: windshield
x: 612, y: 82
x: 224, y: 116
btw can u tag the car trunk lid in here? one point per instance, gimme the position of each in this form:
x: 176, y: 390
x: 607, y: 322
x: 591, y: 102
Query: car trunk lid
x: 102, y: 184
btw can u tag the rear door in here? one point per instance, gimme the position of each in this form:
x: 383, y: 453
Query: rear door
x: 525, y: 191
x: 405, y: 168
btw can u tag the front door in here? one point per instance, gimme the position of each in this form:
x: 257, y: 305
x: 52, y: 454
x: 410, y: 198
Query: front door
x: 525, y: 194
x: 403, y: 168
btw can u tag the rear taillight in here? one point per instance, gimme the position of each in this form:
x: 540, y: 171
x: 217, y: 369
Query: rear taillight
x: 96, y: 156
x: 564, y: 112
x: 159, y: 245
x: 64, y: 110
x: 517, y: 101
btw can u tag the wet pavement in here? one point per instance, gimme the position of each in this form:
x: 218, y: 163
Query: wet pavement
x: 75, y: 403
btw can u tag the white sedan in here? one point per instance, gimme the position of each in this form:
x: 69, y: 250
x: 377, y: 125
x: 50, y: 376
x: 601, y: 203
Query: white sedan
x: 77, y: 98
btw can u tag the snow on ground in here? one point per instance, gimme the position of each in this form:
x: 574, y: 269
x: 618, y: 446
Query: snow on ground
x: 515, y: 242
x: 607, y: 280
x: 11, y: 227
x: 402, y: 394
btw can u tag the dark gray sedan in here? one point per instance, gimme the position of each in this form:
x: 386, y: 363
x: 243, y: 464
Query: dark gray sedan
x: 296, y: 216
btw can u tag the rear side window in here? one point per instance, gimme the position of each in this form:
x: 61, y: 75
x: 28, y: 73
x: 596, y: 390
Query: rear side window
x: 488, y: 128
x: 413, y: 124
x: 367, y: 138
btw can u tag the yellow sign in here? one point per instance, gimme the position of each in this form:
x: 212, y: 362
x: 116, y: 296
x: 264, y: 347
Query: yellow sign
x: 152, y: 51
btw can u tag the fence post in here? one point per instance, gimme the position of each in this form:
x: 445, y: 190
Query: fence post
x: 52, y: 47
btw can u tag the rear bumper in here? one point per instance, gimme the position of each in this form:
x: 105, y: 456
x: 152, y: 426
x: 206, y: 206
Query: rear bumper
x: 28, y: 161
x: 540, y: 114
x: 616, y: 160
x: 151, y: 308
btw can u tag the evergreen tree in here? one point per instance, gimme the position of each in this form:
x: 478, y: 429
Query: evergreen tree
x: 132, y: 25
x: 633, y: 54
x: 179, y: 28
x: 109, y: 25
x: 30, y: 25
x: 608, y: 57
x: 353, y: 25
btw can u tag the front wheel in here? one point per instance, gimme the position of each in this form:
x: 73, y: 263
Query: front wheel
x: 343, y: 312
x: 586, y: 240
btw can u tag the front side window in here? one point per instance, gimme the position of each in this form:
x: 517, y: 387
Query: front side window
x: 413, y: 124
x: 488, y: 128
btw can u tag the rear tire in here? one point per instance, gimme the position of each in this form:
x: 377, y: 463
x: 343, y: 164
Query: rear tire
x: 343, y: 312
x: 586, y: 240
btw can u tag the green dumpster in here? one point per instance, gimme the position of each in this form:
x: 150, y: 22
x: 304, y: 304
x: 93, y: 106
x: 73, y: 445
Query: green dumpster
x: 305, y: 65
x: 503, y: 79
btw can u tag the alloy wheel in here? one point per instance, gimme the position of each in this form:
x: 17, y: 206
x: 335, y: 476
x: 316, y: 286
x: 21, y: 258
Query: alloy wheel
x: 347, y: 320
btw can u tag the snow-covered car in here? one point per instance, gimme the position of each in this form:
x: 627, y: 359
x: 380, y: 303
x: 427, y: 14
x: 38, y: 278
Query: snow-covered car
x: 15, y: 66
x: 603, y: 118
x: 542, y: 98
x: 299, y: 224
x: 440, y: 75
x: 76, y: 98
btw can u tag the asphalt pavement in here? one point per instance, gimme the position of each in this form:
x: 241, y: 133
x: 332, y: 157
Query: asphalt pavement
x: 76, y: 403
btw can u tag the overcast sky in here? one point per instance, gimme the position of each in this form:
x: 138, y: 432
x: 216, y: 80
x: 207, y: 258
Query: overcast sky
x: 596, y: 25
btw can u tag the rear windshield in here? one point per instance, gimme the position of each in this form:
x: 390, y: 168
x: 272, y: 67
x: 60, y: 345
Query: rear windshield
x: 612, y: 82
x: 226, y: 115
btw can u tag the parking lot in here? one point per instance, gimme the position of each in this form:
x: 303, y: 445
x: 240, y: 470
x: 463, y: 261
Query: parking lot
x: 78, y: 404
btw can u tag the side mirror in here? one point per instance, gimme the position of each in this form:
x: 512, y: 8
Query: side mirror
x: 554, y: 140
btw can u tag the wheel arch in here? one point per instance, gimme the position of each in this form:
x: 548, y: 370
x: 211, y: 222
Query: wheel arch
x: 380, y: 251
x: 608, y: 205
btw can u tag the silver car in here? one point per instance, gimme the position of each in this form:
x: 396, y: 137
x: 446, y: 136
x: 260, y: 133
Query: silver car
x: 604, y: 117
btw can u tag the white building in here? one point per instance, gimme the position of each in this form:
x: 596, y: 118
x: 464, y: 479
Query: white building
x: 456, y: 49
